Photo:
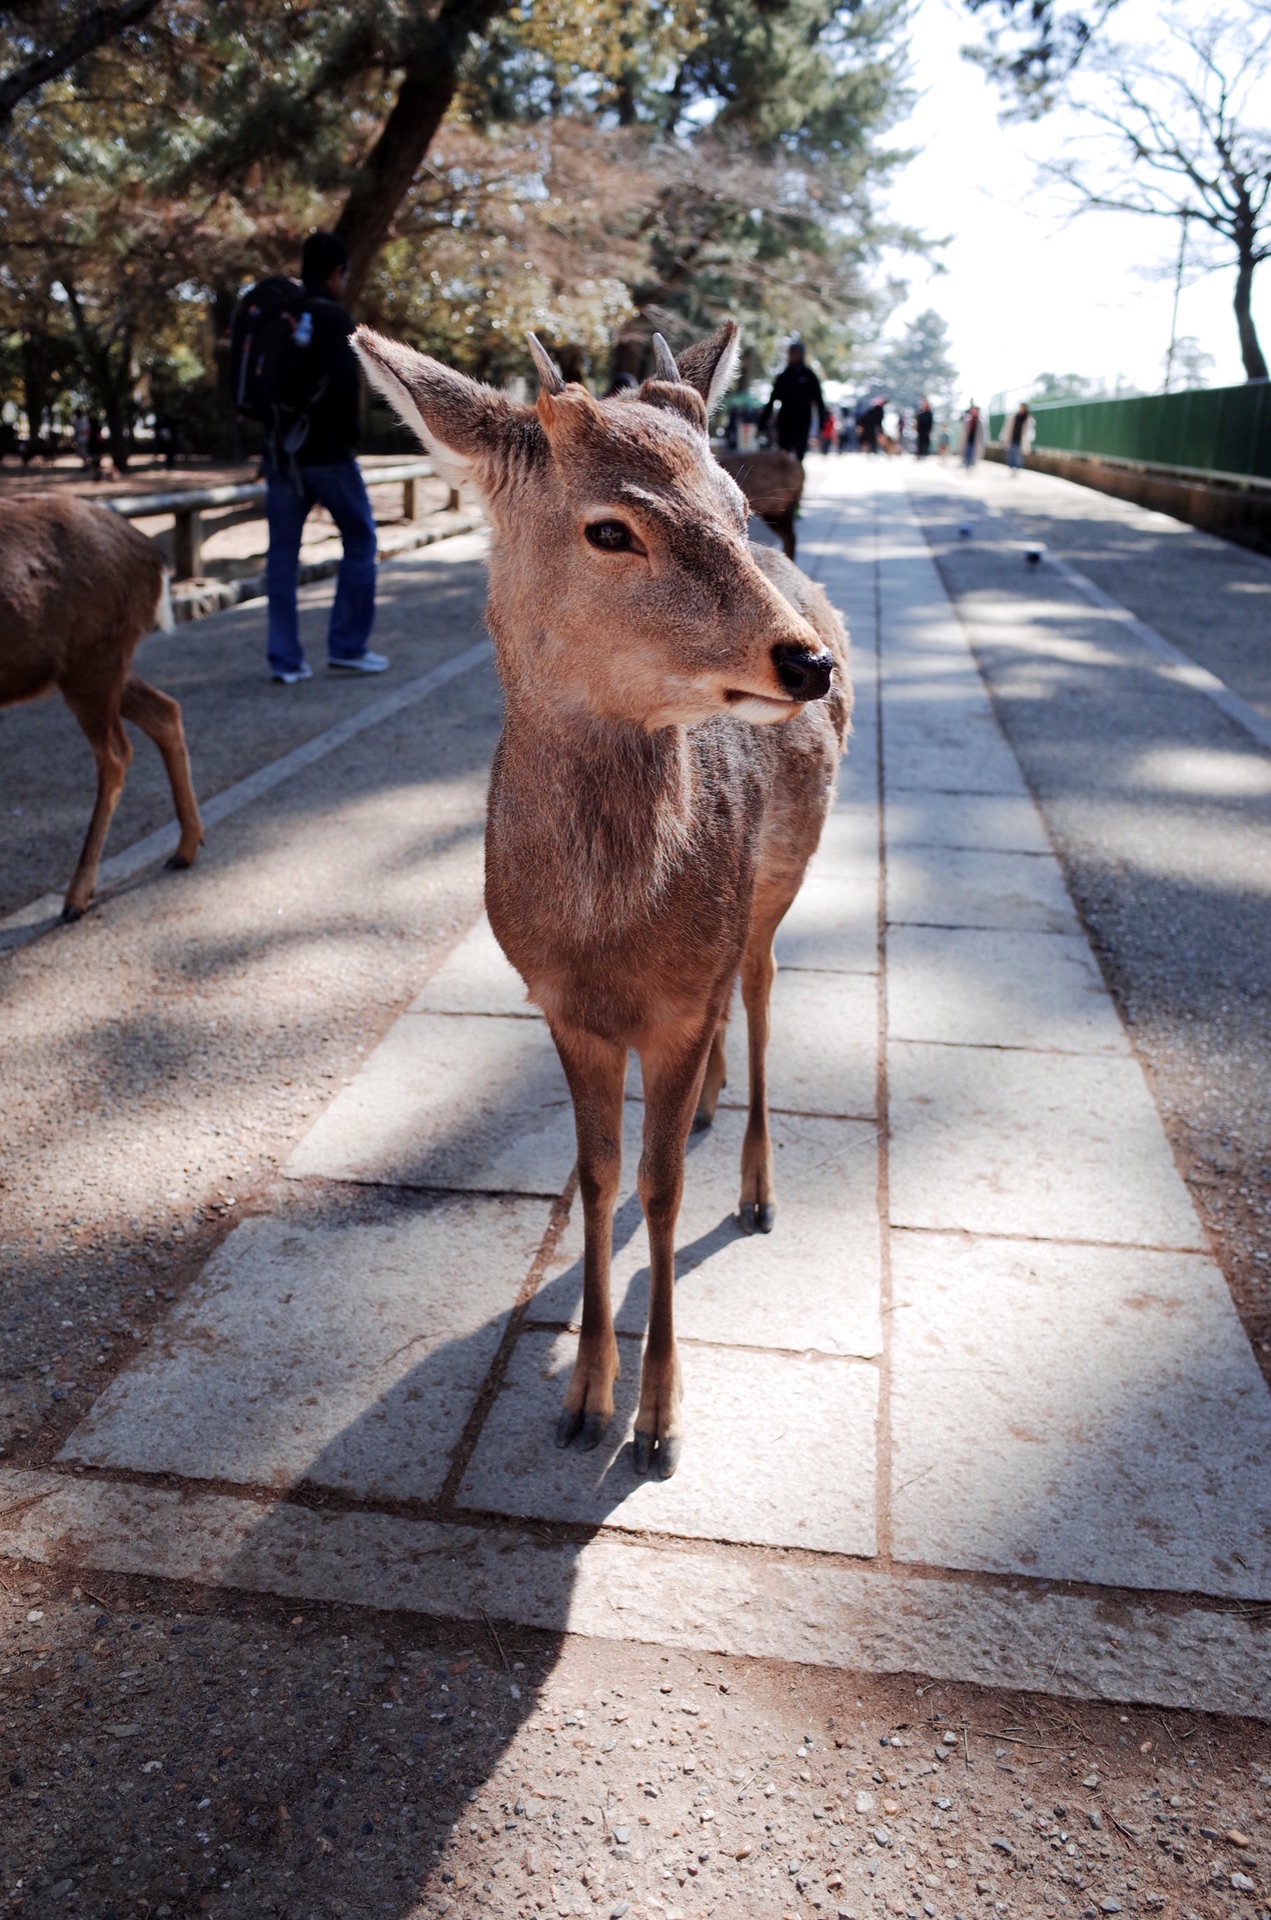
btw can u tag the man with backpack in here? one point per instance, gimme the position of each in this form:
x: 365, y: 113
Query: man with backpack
x: 295, y: 371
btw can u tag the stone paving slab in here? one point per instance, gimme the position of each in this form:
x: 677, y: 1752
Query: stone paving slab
x: 970, y: 987
x: 345, y: 1352
x: 993, y: 1632
x: 781, y: 1449
x: 1077, y: 1413
x: 831, y: 928
x: 477, y: 977
x: 813, y: 1284
x: 475, y: 1104
x: 978, y: 887
x: 960, y: 756
x: 1008, y: 823
x: 1048, y: 1145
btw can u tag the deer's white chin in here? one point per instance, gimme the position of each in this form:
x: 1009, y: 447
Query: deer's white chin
x: 759, y: 711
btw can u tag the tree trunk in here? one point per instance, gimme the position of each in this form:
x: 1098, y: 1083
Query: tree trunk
x: 1250, y: 349
x: 35, y: 379
x: 427, y: 89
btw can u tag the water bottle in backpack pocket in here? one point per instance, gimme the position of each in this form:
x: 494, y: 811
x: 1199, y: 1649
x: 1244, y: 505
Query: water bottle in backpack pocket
x: 276, y: 377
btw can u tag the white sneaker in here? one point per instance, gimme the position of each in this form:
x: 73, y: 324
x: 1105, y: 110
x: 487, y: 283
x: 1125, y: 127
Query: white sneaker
x: 360, y: 663
x: 303, y: 672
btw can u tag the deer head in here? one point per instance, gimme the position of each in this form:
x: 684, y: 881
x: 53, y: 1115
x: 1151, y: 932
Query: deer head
x: 622, y: 583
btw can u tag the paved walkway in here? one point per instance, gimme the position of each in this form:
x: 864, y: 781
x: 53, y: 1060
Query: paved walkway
x: 980, y: 1408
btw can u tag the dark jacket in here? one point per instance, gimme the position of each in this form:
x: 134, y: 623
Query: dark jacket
x: 797, y: 391
x: 333, y: 415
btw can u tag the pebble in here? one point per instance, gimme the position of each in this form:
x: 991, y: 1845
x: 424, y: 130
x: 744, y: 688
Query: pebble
x: 1095, y: 1817
x: 1242, y: 1883
x: 622, y: 1836
x: 864, y: 1803
x: 881, y: 1837
x: 1237, y: 1838
x: 1091, y: 1780
x: 1002, y: 1844
x: 1109, y: 1905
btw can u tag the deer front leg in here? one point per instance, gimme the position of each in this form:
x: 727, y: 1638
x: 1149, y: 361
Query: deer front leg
x: 112, y: 754
x: 596, y: 1071
x: 673, y: 1070
x: 757, y: 1210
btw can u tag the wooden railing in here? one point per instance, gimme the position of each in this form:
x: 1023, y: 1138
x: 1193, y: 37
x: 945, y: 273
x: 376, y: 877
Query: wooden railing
x: 189, y: 505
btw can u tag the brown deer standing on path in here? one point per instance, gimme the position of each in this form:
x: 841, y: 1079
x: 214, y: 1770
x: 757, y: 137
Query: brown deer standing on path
x: 79, y: 589
x: 676, y: 704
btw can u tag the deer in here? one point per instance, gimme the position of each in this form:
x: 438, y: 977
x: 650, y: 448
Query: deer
x: 79, y: 589
x: 772, y: 480
x: 676, y: 703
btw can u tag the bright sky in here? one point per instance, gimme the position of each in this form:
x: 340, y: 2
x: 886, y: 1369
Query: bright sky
x: 1023, y: 292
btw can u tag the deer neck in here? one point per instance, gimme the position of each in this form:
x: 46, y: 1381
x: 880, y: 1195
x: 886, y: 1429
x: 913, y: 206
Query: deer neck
x: 596, y: 815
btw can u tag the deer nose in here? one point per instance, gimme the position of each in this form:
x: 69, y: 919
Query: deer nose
x: 803, y: 674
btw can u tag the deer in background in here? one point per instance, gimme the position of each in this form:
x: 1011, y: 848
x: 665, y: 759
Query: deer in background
x: 79, y: 589
x: 676, y: 705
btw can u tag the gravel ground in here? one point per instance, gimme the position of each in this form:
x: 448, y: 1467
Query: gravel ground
x: 1159, y: 809
x: 179, y: 1753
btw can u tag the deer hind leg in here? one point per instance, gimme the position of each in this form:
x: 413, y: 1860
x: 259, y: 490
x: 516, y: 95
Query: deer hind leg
x: 596, y: 1070
x: 112, y: 753
x: 159, y: 716
x: 673, y: 1067
x: 757, y: 1209
x: 714, y: 1080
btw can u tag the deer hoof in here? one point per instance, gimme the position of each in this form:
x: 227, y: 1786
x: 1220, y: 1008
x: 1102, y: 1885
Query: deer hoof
x: 647, y: 1452
x: 702, y: 1120
x: 757, y: 1216
x: 178, y: 863
x: 72, y: 913
x: 567, y: 1426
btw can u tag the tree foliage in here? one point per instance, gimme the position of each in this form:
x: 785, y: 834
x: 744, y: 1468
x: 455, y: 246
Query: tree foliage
x: 590, y: 168
x: 917, y: 365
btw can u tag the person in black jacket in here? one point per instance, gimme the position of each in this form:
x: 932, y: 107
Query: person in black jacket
x: 924, y: 421
x: 797, y: 392
x: 321, y: 470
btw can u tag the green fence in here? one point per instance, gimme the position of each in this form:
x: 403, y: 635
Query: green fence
x: 1220, y: 431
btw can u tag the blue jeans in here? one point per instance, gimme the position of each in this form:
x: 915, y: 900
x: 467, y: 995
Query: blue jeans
x: 341, y: 490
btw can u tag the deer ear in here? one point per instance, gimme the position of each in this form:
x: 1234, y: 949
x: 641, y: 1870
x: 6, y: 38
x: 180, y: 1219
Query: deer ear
x: 469, y: 430
x: 709, y: 365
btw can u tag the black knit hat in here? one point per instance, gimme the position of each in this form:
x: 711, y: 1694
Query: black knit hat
x: 323, y: 253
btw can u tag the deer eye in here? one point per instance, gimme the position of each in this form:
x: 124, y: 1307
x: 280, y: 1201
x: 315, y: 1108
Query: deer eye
x: 610, y: 536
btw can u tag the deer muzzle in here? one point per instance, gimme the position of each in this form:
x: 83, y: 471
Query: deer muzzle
x: 803, y: 673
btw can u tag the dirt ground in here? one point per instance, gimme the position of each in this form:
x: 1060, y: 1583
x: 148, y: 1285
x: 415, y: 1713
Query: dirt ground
x: 172, y: 1752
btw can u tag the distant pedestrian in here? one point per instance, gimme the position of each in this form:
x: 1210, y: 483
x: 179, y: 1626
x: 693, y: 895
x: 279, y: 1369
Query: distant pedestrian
x: 1018, y: 435
x: 796, y: 392
x: 972, y: 436
x: 827, y: 431
x: 870, y: 423
x: 165, y: 440
x: 79, y: 434
x: 924, y: 420
x: 900, y: 430
x: 847, y: 430
x: 295, y: 370
x: 96, y: 446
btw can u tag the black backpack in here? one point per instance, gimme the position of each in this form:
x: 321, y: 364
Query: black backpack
x: 276, y: 374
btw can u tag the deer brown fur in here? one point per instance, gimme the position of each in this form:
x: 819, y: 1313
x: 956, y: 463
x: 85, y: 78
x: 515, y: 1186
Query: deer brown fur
x: 676, y: 704
x: 79, y: 589
x: 772, y: 481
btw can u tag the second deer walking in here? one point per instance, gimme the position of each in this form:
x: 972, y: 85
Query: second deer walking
x: 676, y: 702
